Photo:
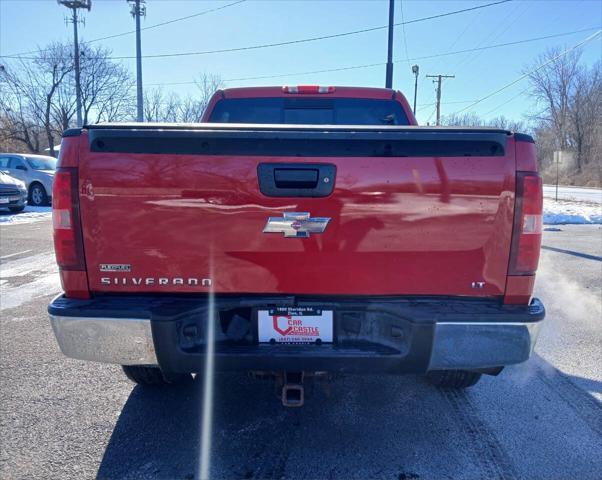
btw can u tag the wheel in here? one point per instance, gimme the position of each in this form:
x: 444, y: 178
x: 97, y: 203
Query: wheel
x: 37, y: 195
x: 153, y: 376
x: 453, y: 378
x: 16, y: 209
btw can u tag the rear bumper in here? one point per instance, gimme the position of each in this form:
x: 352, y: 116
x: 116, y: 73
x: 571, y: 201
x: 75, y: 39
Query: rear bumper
x: 372, y: 334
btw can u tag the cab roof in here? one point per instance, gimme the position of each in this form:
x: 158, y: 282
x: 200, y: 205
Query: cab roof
x: 337, y: 92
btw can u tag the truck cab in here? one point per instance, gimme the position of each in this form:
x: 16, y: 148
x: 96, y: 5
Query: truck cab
x: 307, y: 105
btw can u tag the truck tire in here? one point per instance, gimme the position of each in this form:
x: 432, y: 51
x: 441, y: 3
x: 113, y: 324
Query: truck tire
x: 453, y: 378
x: 153, y: 376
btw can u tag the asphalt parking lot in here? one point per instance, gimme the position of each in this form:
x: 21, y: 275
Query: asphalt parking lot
x: 61, y: 418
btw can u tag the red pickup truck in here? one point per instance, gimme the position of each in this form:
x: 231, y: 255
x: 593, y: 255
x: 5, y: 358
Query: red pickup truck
x: 298, y: 230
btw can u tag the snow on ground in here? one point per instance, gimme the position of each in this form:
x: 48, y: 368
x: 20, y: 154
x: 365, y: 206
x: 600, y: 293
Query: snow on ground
x: 566, y: 212
x: 580, y: 194
x: 29, y: 215
x: 24, y: 279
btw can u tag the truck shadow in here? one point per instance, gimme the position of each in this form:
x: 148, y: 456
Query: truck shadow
x: 158, y: 432
x: 345, y: 431
x: 155, y: 435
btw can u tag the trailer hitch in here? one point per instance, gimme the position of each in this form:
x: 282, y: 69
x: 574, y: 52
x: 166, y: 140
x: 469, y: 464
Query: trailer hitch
x: 290, y: 386
x: 293, y: 391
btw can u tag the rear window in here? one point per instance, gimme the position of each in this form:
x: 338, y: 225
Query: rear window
x: 327, y: 111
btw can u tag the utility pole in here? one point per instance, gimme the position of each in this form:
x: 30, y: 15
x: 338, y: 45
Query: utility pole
x: 74, y: 5
x: 438, y: 81
x: 389, y: 75
x: 415, y: 71
x: 138, y: 9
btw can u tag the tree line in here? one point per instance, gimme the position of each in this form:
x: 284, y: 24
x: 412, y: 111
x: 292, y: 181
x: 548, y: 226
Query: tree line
x: 38, y: 101
x: 567, y: 118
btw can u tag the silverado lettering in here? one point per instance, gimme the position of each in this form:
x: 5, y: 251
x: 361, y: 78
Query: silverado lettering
x: 204, y: 282
x: 422, y: 259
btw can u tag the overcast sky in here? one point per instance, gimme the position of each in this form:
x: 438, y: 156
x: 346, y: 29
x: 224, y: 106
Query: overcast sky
x: 26, y: 25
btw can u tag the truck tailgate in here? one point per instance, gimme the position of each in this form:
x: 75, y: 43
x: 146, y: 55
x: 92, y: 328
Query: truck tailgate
x: 413, y: 211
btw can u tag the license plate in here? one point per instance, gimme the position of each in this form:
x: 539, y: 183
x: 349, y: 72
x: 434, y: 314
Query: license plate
x: 4, y: 200
x: 294, y: 325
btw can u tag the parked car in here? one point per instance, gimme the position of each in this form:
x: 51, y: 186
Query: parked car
x: 36, y: 171
x: 13, y: 194
x: 323, y: 231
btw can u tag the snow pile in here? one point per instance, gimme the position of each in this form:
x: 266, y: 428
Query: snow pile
x: 29, y: 215
x: 565, y: 212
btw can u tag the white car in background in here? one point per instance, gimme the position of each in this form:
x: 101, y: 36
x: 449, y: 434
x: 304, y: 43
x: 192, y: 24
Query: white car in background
x: 36, y: 171
x: 13, y: 194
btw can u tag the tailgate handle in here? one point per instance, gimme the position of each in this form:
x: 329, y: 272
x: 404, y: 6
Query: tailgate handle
x: 296, y: 179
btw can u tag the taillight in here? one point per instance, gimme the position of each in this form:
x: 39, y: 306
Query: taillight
x: 308, y: 89
x: 528, y: 221
x: 68, y: 245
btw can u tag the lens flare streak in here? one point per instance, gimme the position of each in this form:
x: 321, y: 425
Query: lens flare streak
x: 208, y: 384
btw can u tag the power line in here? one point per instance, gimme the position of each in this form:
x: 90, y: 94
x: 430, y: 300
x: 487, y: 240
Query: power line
x: 505, y: 102
x: 168, y: 22
x: 424, y: 57
x: 369, y: 65
x: 501, y: 26
x: 506, y: 44
x: 514, y: 97
x: 466, y: 28
x: 403, y: 31
x: 204, y: 12
x: 323, y: 37
x: 304, y: 40
x: 280, y: 75
x: 539, y: 67
x: 424, y: 106
x: 431, y: 115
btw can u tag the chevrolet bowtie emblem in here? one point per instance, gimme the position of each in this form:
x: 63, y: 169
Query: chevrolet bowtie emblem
x: 296, y: 224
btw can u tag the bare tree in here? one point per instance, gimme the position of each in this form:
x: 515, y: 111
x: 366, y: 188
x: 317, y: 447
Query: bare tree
x: 508, y: 124
x: 33, y: 88
x: 106, y: 90
x: 553, y: 88
x: 569, y: 96
x: 106, y: 87
x: 207, y: 85
x: 469, y: 119
x: 191, y: 110
x: 473, y: 120
x: 40, y: 94
x: 585, y: 110
x: 162, y: 107
x: 154, y: 99
x: 17, y: 129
